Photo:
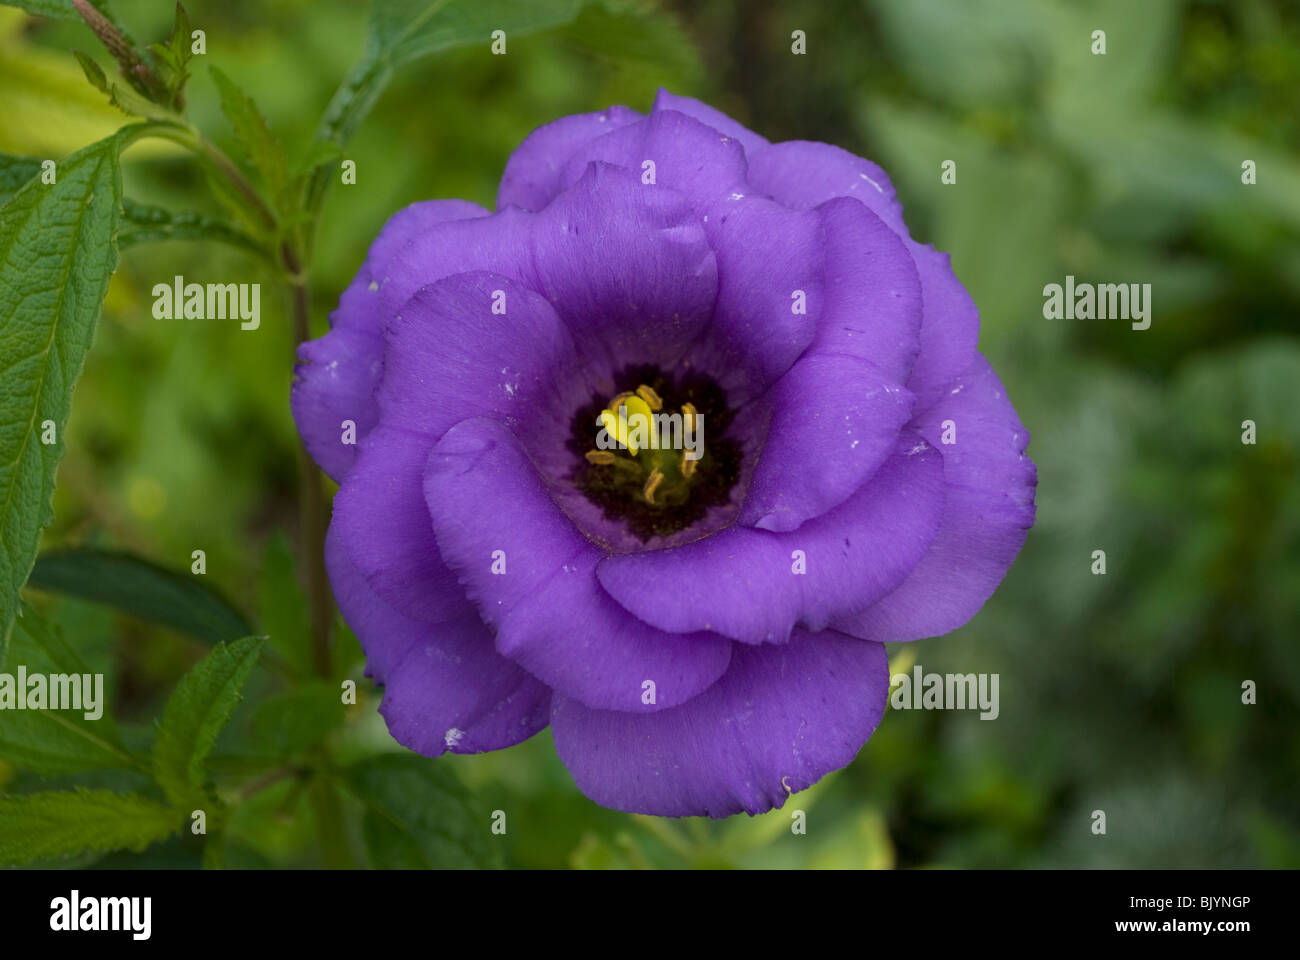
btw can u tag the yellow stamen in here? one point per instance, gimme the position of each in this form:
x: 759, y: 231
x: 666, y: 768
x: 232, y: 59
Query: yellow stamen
x: 652, y: 484
x: 650, y: 397
x: 599, y: 457
x: 688, y: 465
x: 628, y: 420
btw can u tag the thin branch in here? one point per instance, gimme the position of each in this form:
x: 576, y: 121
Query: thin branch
x: 311, y: 497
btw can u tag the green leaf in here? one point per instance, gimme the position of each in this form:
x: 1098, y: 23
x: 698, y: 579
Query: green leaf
x: 417, y: 815
x: 38, y: 825
x: 14, y: 172
x: 195, y: 713
x: 317, y: 154
x: 57, y: 253
x: 143, y: 223
x: 94, y: 72
x: 52, y: 742
x: 135, y: 104
x: 286, y: 725
x: 59, y: 9
x: 254, y: 134
x: 401, y: 32
x: 174, y: 56
x: 143, y: 590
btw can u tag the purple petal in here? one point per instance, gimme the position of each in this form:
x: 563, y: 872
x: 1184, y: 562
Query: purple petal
x: 338, y: 373
x: 449, y: 357
x: 497, y: 243
x: 711, y: 117
x: 689, y: 157
x: 489, y: 507
x: 453, y: 355
x: 766, y: 254
x: 839, y: 408
x: 990, y: 508
x: 626, y: 266
x: 802, y: 175
x: 873, y: 292
x: 742, y: 582
x: 334, y: 383
x: 533, y: 173
x: 381, y: 519
x: 950, y: 331
x: 836, y: 420
x: 779, y: 720
x: 445, y: 687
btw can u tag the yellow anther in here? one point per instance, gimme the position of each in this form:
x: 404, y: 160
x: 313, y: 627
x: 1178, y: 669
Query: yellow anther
x: 628, y: 420
x: 651, y: 485
x: 650, y: 397
x: 688, y: 465
x: 688, y: 414
x: 599, y: 457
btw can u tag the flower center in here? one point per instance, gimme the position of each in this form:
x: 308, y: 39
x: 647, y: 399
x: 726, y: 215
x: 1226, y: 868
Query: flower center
x: 645, y: 459
x: 662, y: 449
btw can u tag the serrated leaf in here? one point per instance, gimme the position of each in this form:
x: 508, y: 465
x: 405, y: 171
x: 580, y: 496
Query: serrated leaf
x: 173, y: 58
x: 59, y: 9
x: 135, y: 104
x: 400, y: 32
x: 637, y: 39
x: 144, y: 223
x: 418, y: 815
x: 14, y: 172
x: 57, y: 253
x: 318, y: 154
x: 254, y: 135
x: 180, y: 38
x: 141, y: 222
x: 235, y: 203
x: 94, y: 72
x: 141, y: 589
x: 164, y: 54
x: 195, y: 713
x: 52, y: 742
x: 57, y: 823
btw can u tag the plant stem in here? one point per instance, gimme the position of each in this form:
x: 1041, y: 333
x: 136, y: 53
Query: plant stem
x: 266, y: 780
x: 190, y: 138
x: 329, y: 824
x: 311, y: 497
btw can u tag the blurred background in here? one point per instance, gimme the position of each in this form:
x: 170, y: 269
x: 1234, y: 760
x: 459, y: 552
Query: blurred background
x: 1120, y: 692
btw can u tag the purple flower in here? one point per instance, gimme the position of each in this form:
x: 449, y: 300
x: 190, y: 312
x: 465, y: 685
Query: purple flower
x: 703, y: 634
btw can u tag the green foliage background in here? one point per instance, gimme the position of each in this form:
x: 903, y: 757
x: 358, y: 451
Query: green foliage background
x: 1119, y: 692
